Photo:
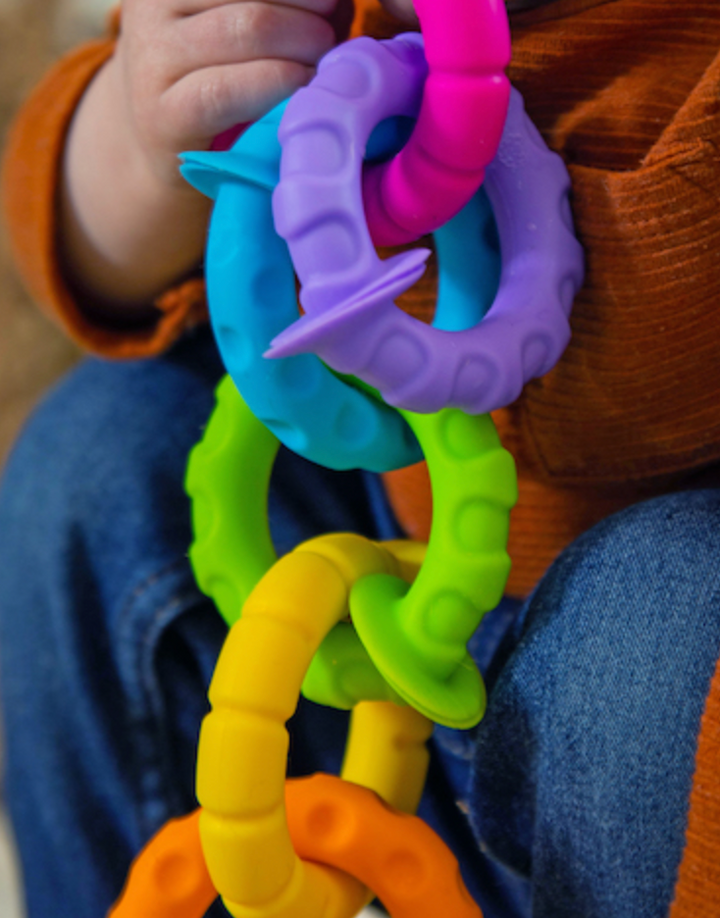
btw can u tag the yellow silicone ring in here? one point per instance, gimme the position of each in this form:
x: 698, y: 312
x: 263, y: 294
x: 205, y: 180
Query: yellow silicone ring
x: 243, y: 746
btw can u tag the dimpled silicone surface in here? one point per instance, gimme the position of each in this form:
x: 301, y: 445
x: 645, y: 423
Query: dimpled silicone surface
x: 243, y: 746
x: 343, y: 823
x: 252, y: 296
x: 399, y: 857
x: 324, y: 131
x: 351, y: 320
x: 227, y: 480
x: 251, y: 292
x: 417, y: 636
x: 414, y: 636
x: 168, y: 879
x: 460, y: 121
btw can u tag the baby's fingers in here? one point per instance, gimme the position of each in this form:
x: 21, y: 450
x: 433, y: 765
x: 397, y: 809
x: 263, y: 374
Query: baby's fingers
x: 248, y: 31
x: 207, y: 102
x: 191, y: 7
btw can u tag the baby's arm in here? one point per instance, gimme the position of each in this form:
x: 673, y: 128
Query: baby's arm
x: 183, y: 72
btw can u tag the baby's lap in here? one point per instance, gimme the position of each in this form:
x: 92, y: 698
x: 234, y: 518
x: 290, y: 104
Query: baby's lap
x: 656, y: 563
x: 595, y: 706
x: 121, y: 413
x: 96, y: 479
x: 622, y: 632
x: 628, y: 611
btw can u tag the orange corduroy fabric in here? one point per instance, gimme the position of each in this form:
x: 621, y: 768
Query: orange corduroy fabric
x: 30, y: 179
x: 697, y: 893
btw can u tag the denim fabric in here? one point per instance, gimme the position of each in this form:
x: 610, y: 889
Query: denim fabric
x: 569, y: 799
x: 592, y: 729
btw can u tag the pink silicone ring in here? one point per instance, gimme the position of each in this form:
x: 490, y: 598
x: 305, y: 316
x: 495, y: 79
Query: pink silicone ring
x: 465, y: 101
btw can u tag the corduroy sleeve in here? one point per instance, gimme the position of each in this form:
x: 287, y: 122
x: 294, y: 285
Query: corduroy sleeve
x: 30, y: 185
x: 30, y: 182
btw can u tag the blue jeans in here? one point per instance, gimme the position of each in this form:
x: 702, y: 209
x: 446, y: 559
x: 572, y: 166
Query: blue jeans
x: 569, y: 800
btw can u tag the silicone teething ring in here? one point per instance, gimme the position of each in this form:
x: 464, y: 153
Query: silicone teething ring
x: 243, y: 746
x: 399, y: 857
x: 339, y: 823
x: 230, y: 467
x: 458, y: 128
x: 416, y: 636
x: 168, y: 878
x: 248, y: 266
x: 385, y: 755
x: 251, y: 291
x: 350, y: 319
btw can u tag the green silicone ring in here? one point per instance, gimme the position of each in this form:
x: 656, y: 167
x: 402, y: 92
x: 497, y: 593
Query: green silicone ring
x: 227, y: 480
x: 415, y: 635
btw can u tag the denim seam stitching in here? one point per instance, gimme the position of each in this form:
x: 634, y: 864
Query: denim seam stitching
x: 137, y: 646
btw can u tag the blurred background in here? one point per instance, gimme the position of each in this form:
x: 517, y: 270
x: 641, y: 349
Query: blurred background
x: 33, y: 33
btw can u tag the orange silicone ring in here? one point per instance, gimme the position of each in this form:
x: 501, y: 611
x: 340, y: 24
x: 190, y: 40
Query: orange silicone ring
x: 332, y: 822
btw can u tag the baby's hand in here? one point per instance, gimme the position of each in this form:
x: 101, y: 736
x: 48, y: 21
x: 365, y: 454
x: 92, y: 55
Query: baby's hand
x: 187, y: 70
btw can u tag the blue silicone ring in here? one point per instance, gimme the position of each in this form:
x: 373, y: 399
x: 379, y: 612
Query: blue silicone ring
x: 252, y: 297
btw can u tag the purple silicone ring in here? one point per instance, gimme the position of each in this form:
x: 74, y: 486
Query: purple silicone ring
x: 350, y: 319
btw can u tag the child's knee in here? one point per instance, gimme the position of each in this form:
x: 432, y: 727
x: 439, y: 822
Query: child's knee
x: 622, y: 637
x: 602, y: 696
x: 656, y: 563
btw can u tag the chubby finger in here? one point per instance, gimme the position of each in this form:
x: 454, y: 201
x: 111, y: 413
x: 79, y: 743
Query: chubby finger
x: 194, y: 7
x: 207, y: 102
x: 238, y: 33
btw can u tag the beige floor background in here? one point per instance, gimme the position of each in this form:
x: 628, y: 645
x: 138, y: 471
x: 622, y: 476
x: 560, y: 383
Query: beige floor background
x: 32, y: 352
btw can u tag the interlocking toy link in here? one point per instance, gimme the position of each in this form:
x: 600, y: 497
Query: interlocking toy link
x: 264, y: 844
x: 417, y: 636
